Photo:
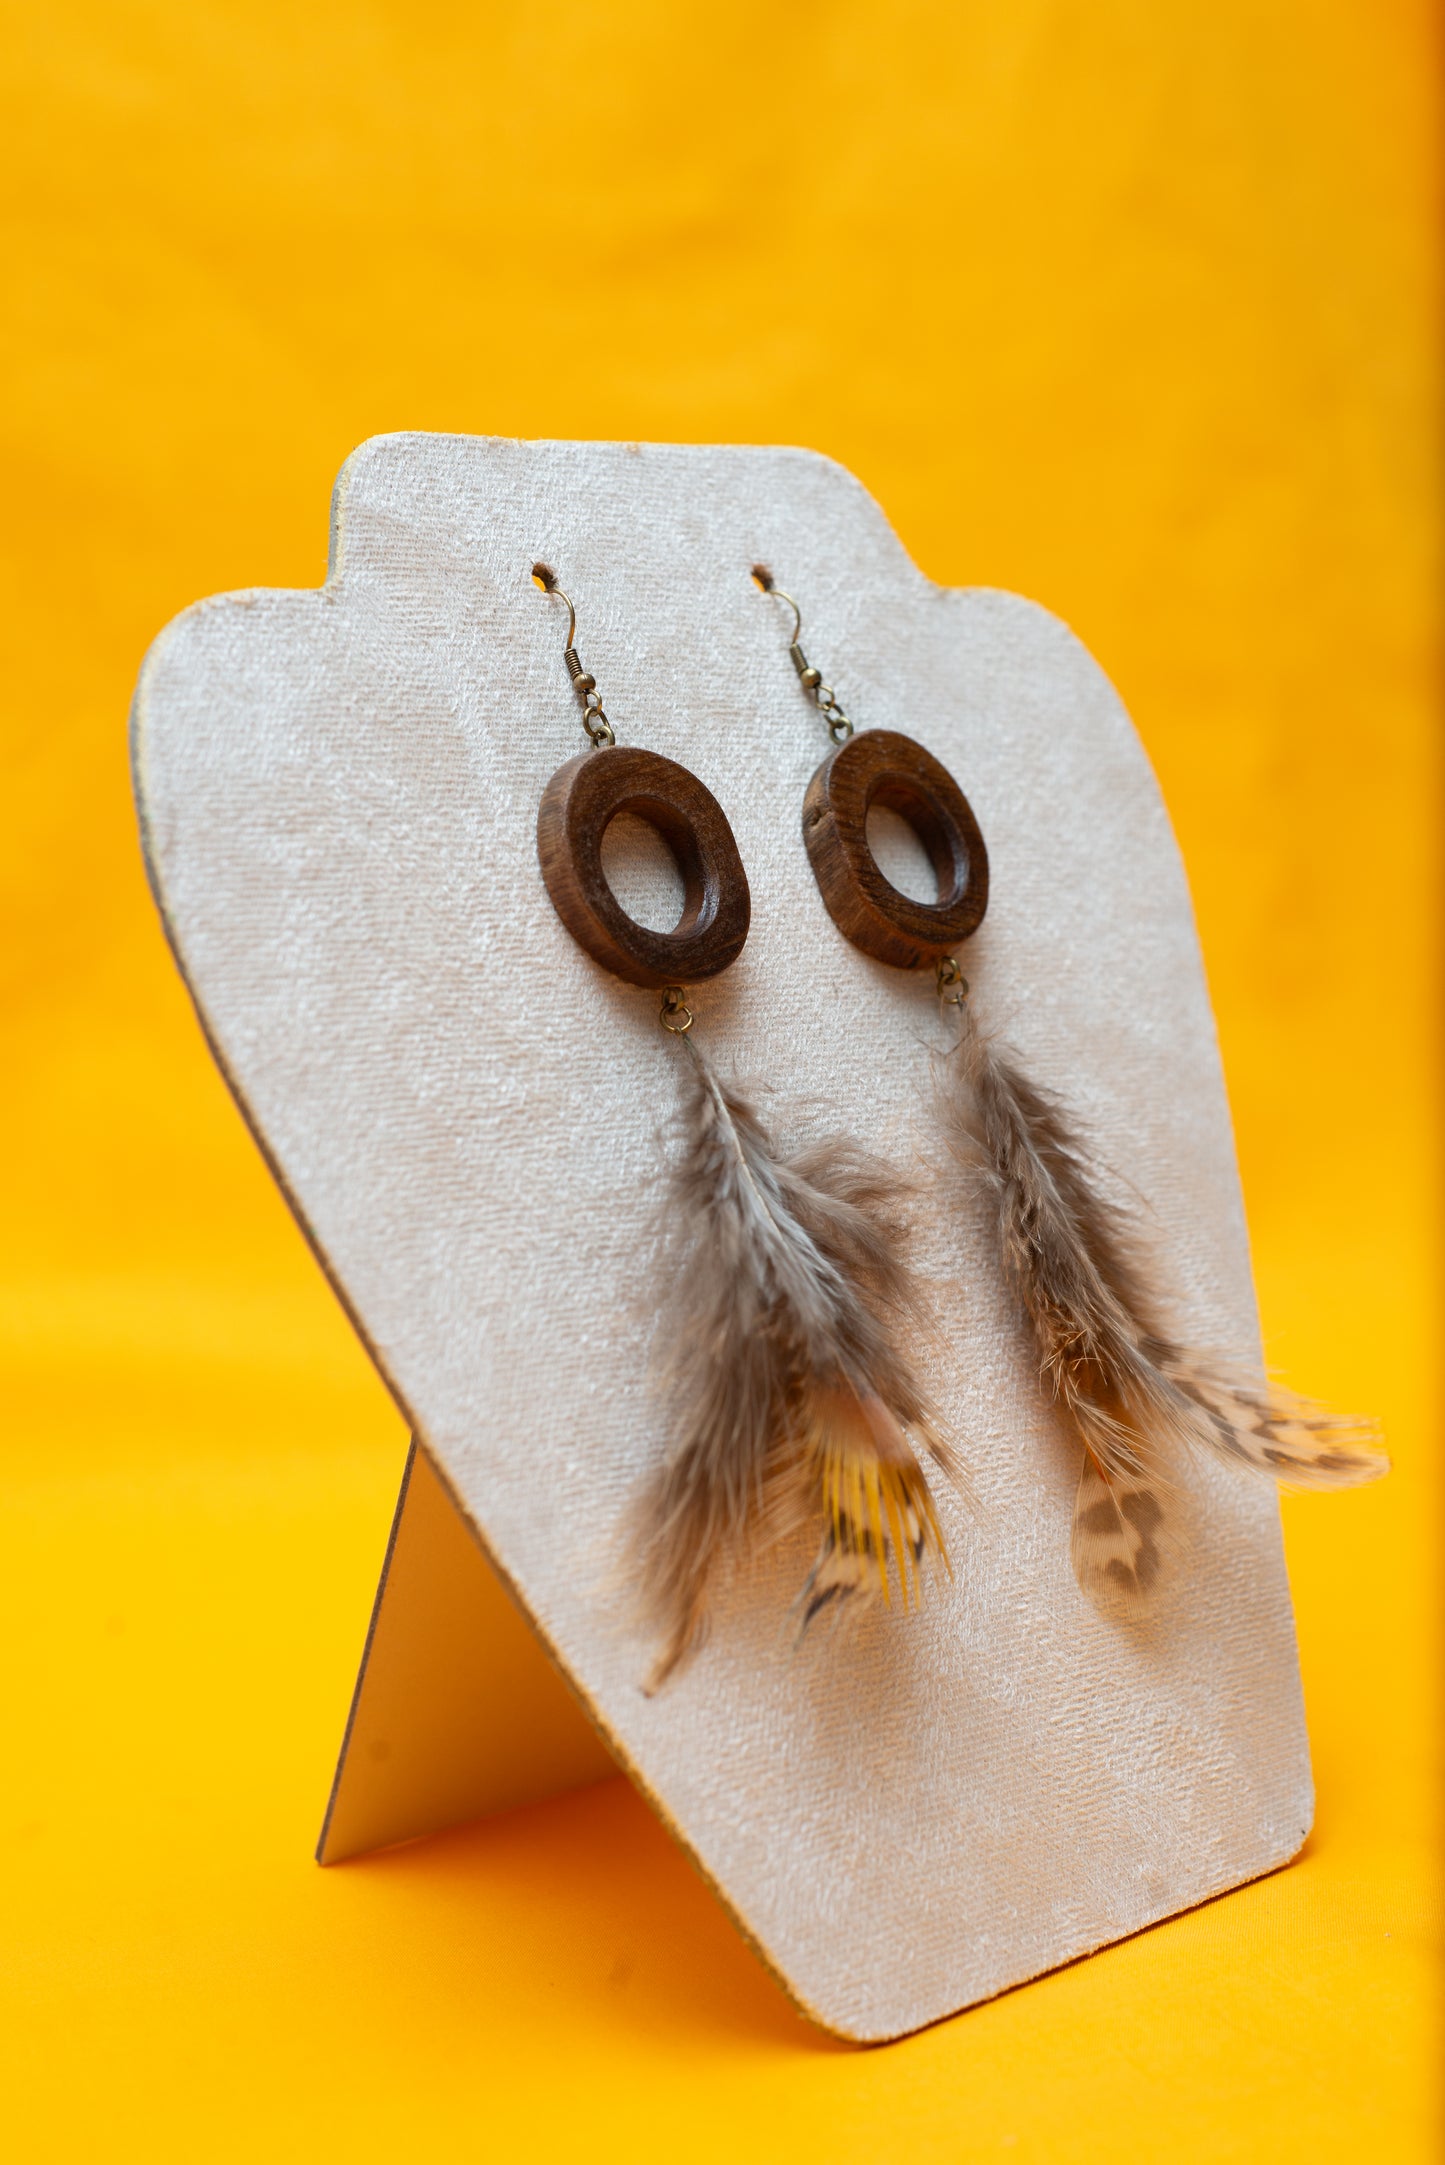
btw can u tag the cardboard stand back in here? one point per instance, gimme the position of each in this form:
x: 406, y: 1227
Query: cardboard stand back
x: 338, y: 794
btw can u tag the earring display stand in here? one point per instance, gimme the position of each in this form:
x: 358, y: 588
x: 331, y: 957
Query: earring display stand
x: 338, y: 793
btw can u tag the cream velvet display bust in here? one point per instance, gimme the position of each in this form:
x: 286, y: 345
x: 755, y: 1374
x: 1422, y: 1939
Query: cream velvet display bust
x: 339, y: 797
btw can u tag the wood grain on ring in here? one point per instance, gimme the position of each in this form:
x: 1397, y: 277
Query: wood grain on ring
x: 577, y: 807
x: 882, y: 767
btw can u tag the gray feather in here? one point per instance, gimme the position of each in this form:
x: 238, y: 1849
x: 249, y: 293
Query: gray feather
x: 793, y: 1297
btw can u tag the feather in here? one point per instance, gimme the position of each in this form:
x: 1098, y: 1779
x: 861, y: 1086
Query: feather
x: 1296, y: 1441
x: 1130, y: 1391
x: 1117, y: 1543
x: 797, y: 1404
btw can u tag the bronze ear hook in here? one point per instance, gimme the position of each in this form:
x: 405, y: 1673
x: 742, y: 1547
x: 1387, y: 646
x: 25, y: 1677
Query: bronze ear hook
x: 594, y: 721
x: 840, y: 729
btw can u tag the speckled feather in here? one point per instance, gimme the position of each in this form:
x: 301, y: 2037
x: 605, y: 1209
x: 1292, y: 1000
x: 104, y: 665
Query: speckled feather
x: 1130, y: 1391
x: 799, y: 1404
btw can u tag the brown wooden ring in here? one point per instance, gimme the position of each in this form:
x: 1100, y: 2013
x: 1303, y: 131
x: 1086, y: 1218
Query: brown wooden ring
x: 882, y: 767
x: 579, y: 804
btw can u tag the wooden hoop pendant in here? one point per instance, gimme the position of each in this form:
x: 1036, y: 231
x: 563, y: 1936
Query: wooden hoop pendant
x: 580, y: 803
x: 882, y: 767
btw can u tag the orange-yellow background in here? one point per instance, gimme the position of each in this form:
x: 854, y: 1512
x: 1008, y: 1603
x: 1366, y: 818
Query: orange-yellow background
x: 1127, y: 306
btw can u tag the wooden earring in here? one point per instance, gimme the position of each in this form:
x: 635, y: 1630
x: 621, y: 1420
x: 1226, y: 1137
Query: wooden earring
x: 795, y: 1400
x: 1075, y: 1262
x: 889, y: 770
x: 580, y: 803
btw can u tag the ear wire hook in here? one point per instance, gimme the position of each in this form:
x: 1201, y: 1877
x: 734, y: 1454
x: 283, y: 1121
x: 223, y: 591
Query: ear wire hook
x: 840, y: 729
x: 594, y: 721
x: 763, y: 578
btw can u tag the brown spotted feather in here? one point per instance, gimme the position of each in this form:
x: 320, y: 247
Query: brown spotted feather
x: 1130, y: 1392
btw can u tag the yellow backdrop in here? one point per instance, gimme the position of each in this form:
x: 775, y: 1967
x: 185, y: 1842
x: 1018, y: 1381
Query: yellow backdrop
x: 1129, y: 306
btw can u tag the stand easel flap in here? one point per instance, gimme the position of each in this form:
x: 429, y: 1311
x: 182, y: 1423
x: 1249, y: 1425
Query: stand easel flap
x: 458, y: 1711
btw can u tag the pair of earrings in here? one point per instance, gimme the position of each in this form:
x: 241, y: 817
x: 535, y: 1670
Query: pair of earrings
x: 801, y: 1402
